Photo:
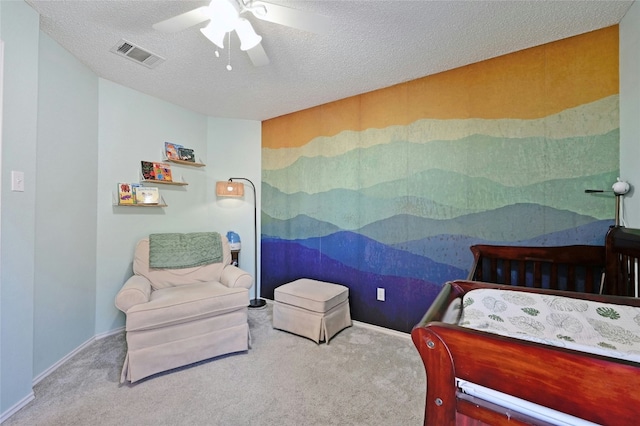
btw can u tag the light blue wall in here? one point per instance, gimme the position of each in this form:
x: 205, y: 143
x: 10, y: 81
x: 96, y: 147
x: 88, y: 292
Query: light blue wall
x: 630, y: 112
x: 236, y: 152
x: 65, y: 245
x: 20, y: 35
x: 134, y: 127
x: 66, y: 250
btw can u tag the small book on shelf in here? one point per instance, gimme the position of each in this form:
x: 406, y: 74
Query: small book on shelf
x: 134, y: 187
x: 125, y: 193
x: 147, y: 195
x: 162, y: 171
x: 171, y: 150
x: 186, y: 154
x: 148, y: 172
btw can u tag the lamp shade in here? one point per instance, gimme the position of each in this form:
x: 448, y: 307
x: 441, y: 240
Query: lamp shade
x: 214, y: 34
x: 247, y: 35
x: 223, y: 14
x: 229, y: 189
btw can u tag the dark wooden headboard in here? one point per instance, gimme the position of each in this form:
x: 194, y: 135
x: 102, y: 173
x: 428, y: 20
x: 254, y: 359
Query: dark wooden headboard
x: 609, y: 269
x: 571, y: 268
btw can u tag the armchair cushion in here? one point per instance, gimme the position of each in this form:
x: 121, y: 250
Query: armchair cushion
x: 184, y: 303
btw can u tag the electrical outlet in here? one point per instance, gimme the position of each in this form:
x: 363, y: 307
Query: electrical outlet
x: 381, y: 294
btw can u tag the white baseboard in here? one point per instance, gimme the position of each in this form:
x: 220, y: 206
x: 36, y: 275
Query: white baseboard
x: 64, y: 359
x: 27, y: 399
x: 17, y: 406
x: 109, y: 333
x: 55, y: 366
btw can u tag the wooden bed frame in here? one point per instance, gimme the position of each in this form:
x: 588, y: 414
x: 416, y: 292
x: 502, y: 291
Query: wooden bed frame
x: 607, y: 269
x: 595, y: 388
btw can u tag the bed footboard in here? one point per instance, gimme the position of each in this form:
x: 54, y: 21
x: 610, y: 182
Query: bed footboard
x: 599, y: 389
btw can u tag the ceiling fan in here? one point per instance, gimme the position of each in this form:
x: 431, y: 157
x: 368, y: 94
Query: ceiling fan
x: 224, y: 16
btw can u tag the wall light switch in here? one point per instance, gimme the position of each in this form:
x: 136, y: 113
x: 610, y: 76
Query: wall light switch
x: 381, y: 294
x: 17, y: 181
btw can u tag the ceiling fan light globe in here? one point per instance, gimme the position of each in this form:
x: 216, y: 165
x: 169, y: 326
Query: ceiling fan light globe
x: 224, y: 14
x: 247, y: 35
x: 250, y: 45
x: 214, y: 34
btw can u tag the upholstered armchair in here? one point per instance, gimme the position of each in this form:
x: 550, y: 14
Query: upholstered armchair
x: 175, y: 317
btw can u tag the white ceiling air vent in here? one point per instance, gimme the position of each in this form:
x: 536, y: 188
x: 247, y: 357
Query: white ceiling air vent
x: 137, y: 54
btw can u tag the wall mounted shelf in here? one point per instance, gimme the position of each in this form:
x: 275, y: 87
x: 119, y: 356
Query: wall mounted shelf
x: 185, y: 163
x: 141, y: 205
x: 164, y: 182
x: 114, y: 199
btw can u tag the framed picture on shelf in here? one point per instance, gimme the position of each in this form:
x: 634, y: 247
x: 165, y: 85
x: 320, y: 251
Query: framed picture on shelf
x: 186, y: 154
x: 147, y: 195
x: 148, y: 172
x: 162, y: 171
x: 171, y: 150
x: 125, y: 193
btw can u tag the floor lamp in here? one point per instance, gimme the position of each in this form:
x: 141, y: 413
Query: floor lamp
x: 235, y: 189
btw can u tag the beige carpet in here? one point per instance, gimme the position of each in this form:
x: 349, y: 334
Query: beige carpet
x: 363, y: 377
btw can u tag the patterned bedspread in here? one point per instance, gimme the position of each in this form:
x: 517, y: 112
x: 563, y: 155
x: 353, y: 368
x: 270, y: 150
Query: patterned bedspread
x: 593, y: 327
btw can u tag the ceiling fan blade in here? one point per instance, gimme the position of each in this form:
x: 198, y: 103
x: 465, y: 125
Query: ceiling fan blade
x: 258, y: 56
x: 289, y: 17
x: 183, y: 21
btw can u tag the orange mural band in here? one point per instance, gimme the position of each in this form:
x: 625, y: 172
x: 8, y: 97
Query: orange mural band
x: 528, y: 84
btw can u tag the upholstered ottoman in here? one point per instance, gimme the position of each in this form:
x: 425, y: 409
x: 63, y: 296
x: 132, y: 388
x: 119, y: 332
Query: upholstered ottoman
x: 314, y: 309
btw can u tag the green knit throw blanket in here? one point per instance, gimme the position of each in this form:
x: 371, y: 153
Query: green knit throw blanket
x: 175, y: 251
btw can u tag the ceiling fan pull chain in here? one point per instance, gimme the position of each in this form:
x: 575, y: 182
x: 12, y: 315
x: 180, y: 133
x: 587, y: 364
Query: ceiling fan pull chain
x: 229, y: 68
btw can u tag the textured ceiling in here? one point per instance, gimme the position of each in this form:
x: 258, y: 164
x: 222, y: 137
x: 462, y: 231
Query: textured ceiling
x: 373, y: 44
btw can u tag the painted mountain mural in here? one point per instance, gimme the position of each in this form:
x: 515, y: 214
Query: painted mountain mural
x: 398, y: 206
